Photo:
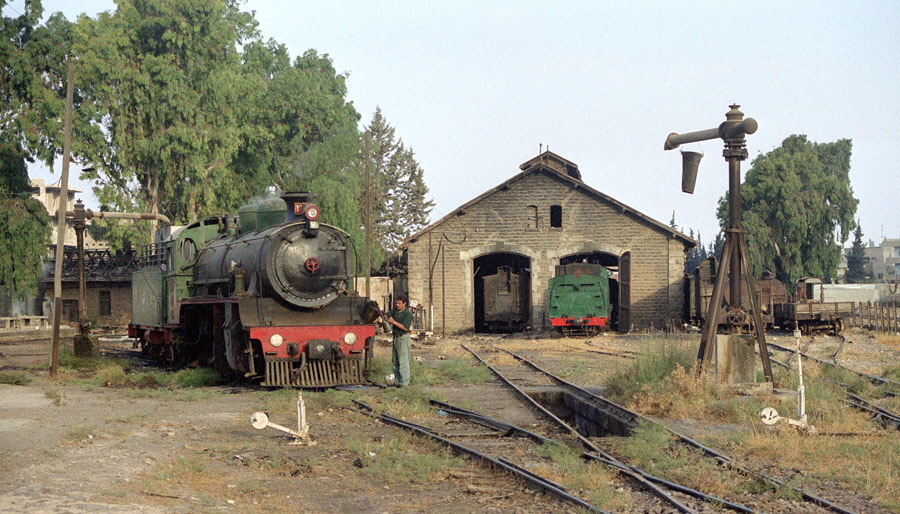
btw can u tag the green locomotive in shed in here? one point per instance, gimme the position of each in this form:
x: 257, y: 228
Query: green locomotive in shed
x: 579, y: 298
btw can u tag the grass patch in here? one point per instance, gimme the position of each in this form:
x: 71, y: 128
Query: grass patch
x: 69, y: 361
x: 401, y: 459
x: 891, y: 340
x: 112, y: 375
x: 455, y: 369
x: 588, y: 480
x: 891, y: 372
x: 654, y: 364
x: 19, y: 378
x: 55, y: 396
x: 81, y: 432
x: 655, y: 450
x: 193, y: 378
x: 186, y: 384
x: 868, y: 463
x: 680, y: 394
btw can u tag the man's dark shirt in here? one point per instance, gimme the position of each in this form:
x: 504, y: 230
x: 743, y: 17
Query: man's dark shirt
x: 403, y: 317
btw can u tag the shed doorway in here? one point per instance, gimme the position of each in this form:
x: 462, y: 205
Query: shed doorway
x: 502, y: 292
x: 612, y: 263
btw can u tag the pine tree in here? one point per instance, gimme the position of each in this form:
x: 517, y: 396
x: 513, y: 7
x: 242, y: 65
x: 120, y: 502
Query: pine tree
x: 399, y: 204
x: 856, y: 259
x: 716, y: 247
x: 695, y: 255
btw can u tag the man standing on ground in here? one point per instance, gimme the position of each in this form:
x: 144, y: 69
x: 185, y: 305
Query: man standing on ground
x: 400, y: 319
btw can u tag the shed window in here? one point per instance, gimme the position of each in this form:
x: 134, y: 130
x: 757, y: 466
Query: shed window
x: 556, y: 216
x: 105, y: 303
x: 533, y: 216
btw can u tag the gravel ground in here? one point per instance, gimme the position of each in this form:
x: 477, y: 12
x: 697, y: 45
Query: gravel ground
x: 71, y: 448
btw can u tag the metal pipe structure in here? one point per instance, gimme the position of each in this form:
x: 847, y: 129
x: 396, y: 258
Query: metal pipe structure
x: 79, y: 225
x: 89, y: 214
x: 724, y: 131
x: 79, y: 217
x: 735, y: 266
x: 735, y: 226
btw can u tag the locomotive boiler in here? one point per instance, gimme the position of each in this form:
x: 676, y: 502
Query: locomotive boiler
x: 266, y: 295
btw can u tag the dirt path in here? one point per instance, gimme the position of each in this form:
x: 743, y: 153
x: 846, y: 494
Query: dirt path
x: 71, y: 448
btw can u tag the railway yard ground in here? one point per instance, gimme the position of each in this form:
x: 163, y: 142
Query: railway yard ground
x: 117, y: 434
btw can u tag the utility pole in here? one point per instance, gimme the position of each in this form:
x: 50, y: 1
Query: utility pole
x: 61, y: 222
x: 368, y: 217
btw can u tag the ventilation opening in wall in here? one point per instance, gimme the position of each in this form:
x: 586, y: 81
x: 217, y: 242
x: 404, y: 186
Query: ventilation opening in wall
x: 556, y: 216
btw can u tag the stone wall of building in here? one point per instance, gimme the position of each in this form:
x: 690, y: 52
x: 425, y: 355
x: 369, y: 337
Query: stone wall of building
x: 120, y: 303
x: 517, y: 219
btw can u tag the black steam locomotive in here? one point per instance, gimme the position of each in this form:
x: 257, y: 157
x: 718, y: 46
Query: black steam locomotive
x: 263, y: 295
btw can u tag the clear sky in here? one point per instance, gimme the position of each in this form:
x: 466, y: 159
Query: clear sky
x: 474, y: 87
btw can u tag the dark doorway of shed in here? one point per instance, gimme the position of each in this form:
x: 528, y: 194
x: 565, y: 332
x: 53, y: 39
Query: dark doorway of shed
x: 502, y: 292
x: 610, y: 262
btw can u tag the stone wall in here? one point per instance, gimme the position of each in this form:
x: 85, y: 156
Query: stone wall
x: 515, y: 218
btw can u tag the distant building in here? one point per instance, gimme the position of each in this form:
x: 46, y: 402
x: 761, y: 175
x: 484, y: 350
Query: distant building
x: 884, y: 261
x: 107, y: 275
x: 50, y: 197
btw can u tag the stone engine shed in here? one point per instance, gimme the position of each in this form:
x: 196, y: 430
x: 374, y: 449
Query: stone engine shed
x: 540, y: 218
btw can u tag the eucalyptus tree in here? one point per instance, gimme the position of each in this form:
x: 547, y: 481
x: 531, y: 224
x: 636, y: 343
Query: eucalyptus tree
x: 32, y: 103
x: 798, y: 208
x: 166, y: 87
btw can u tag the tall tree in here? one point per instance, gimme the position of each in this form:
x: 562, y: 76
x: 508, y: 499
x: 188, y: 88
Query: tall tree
x: 31, y: 107
x: 856, y: 259
x: 165, y: 83
x: 331, y: 170
x: 290, y: 109
x: 300, y: 132
x: 24, y: 226
x: 798, y: 208
x: 400, y: 207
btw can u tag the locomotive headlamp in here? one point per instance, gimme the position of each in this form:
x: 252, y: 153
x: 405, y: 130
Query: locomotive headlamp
x: 276, y: 340
x: 349, y: 338
x: 311, y: 212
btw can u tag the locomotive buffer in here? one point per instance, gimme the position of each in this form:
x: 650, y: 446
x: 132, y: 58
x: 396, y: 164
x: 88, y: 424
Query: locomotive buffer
x: 727, y: 315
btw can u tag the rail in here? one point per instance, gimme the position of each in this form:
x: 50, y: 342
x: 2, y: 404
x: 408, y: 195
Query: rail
x: 721, y: 458
x: 534, y: 481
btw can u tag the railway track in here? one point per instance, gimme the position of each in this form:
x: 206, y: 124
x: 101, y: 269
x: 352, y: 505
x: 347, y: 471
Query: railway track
x: 884, y: 417
x: 879, y: 381
x: 617, y: 419
x: 497, y: 449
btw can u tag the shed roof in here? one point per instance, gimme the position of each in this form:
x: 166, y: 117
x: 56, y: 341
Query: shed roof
x: 566, y: 171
